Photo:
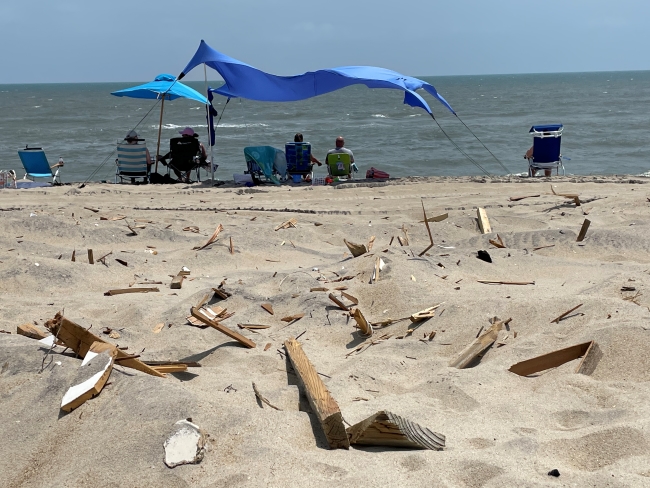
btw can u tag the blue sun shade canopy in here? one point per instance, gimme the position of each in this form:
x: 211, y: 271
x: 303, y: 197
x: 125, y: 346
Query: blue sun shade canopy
x: 244, y: 81
x: 162, y: 84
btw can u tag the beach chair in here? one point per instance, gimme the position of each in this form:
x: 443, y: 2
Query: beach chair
x: 338, y: 164
x: 262, y: 162
x: 36, y: 165
x: 547, y: 140
x: 298, y: 156
x: 184, y: 155
x: 132, y: 162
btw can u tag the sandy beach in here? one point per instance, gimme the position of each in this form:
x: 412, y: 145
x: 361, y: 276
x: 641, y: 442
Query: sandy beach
x: 501, y: 429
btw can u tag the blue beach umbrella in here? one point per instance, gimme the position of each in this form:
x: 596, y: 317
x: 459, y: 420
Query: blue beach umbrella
x: 165, y: 87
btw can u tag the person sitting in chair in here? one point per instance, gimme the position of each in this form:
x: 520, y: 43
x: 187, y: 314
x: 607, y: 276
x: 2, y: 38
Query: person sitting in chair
x: 133, y: 138
x: 298, y: 138
x: 529, y: 156
x: 188, y: 133
x: 340, y: 143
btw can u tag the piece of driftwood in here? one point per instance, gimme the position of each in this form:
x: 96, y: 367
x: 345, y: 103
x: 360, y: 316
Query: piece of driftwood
x: 583, y: 230
x: 516, y: 199
x: 557, y: 320
x: 121, y: 291
x: 80, y: 341
x: 483, y: 221
x: 362, y: 323
x: 471, y: 353
x: 387, y: 429
x: 355, y: 249
x: 28, y: 330
x: 213, y: 238
x: 223, y: 329
x: 291, y: 318
x: 426, y: 223
x: 558, y: 358
x: 498, y: 242
x: 262, y: 399
x: 339, y: 303
x: 177, y: 282
x: 323, y: 405
x: 89, y: 381
x: 287, y: 224
x: 90, y: 257
x: 427, y: 313
x: 268, y: 307
x: 490, y: 282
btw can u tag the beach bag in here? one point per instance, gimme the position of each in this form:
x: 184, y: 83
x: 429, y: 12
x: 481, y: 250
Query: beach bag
x: 377, y: 174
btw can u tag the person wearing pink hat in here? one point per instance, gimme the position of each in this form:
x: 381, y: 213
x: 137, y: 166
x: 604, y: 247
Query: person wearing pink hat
x: 187, y: 132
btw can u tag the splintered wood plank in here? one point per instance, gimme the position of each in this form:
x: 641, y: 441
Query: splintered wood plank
x: 221, y: 293
x: 583, y: 230
x: 90, y: 257
x: 552, y: 360
x: 483, y: 222
x: 427, y: 313
x: 170, y: 368
x: 268, y: 307
x: 557, y: 319
x: 187, y: 364
x: 355, y: 249
x: 177, y: 282
x: 387, y: 429
x: 90, y: 380
x: 223, y: 329
x: 324, y: 406
x: 362, y: 323
x: 589, y: 362
x: 482, y: 343
x: 28, y: 330
x: 213, y: 238
x: 498, y: 242
x: 291, y: 318
x: 287, y: 224
x: 338, y: 302
x: 80, y: 340
x: 516, y: 199
x: 121, y: 291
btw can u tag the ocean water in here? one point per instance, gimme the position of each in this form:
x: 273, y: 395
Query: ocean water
x: 605, y: 116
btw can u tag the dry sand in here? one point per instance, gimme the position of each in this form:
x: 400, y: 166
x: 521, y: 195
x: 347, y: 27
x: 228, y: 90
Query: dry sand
x: 501, y: 429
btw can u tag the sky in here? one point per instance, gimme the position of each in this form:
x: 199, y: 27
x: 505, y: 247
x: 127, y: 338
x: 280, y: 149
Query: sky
x: 53, y: 41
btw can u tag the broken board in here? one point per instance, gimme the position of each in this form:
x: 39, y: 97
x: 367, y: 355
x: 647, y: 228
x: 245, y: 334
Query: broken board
x: 483, y: 222
x: 223, y: 329
x: 91, y: 378
x: 590, y: 350
x: 481, y: 344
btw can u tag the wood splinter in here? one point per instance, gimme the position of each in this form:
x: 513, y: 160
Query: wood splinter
x: 557, y: 320
x: 223, y: 329
x: 362, y: 323
x: 472, y: 352
x: 261, y: 398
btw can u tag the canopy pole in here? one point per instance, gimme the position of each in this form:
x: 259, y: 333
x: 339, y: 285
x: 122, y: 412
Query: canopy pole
x: 162, y: 105
x: 207, y: 118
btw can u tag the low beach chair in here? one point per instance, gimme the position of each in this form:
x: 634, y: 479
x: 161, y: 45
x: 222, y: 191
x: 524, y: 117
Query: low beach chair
x: 298, y: 156
x: 338, y: 164
x: 132, y: 162
x: 36, y: 165
x: 261, y: 162
x: 184, y: 153
x: 547, y: 140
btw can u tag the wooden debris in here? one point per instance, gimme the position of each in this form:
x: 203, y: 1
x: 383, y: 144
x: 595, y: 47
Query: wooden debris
x: 28, y: 330
x: 353, y: 299
x: 90, y: 257
x: 490, y: 282
x: 426, y: 223
x: 572, y: 196
x: 213, y: 238
x: 268, y: 307
x: 187, y: 364
x: 469, y: 354
x: 379, y: 265
x: 91, y: 378
x: 287, y: 224
x: 74, y: 251
x: 362, y: 323
x: 158, y: 328
x: 291, y: 318
x: 498, y: 242
x: 405, y: 240
x: 131, y: 229
x: 261, y: 398
x: 432, y: 335
x: 319, y: 288
x: 222, y: 328
x: 122, y: 262
x: 543, y: 247
x: 92, y: 209
x: 427, y: 313
x: 177, y: 282
x: 232, y: 249
x: 220, y: 292
x: 185, y: 271
x: 81, y: 341
x: 437, y: 218
x: 583, y: 230
x: 253, y: 326
x: 103, y: 258
x: 121, y: 291
x: 559, y: 357
x: 516, y: 199
x: 371, y: 241
x: 557, y: 320
x: 191, y: 228
x: 323, y: 405
x: 355, y: 249
x: 387, y: 429
x: 338, y: 302
x: 170, y: 368
x: 483, y: 222
x: 267, y: 347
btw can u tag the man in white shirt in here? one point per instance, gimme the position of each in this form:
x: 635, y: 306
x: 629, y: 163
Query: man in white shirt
x: 340, y: 142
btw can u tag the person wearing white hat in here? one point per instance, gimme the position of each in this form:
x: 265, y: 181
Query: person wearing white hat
x: 133, y: 138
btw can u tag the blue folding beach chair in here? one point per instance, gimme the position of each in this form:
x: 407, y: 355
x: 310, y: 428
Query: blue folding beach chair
x: 298, y: 158
x: 547, y: 140
x: 263, y: 161
x: 36, y: 165
x: 132, y: 162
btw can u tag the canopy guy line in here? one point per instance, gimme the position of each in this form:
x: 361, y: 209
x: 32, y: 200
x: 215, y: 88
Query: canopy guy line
x: 458, y: 147
x: 497, y: 159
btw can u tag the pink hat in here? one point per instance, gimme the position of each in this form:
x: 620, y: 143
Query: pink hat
x: 187, y: 131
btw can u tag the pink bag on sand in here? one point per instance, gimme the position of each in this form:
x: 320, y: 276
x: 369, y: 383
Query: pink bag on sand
x: 377, y: 174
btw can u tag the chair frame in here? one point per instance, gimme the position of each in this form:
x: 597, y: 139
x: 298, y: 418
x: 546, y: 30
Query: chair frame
x: 137, y: 163
x: 539, y: 133
x: 33, y: 150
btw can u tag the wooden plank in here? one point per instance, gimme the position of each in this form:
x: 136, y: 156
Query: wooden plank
x: 170, y: 368
x: 338, y: 302
x: 90, y: 257
x: 322, y: 403
x: 470, y: 353
x: 490, y: 282
x: 291, y: 318
x: 355, y: 249
x: 319, y: 288
x: 189, y: 364
x: 362, y: 323
x: 583, y: 230
x: 483, y: 221
x: 87, y: 385
x: 550, y: 360
x: 223, y: 329
x: 557, y: 320
x: 516, y: 199
x: 353, y: 299
x: 387, y: 429
x: 427, y: 313
x: 253, y: 326
x: 80, y: 340
x: 28, y: 330
x: 121, y: 291
x: 177, y: 282
x: 268, y: 307
x: 589, y: 362
x: 287, y: 224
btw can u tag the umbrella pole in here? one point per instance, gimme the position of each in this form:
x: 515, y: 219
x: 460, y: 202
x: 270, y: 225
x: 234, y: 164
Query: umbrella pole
x: 207, y: 118
x: 162, y: 105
